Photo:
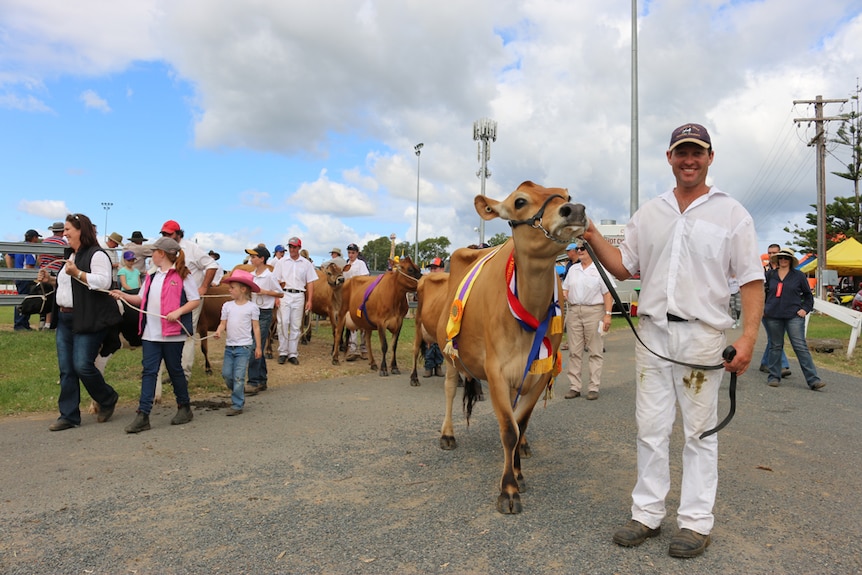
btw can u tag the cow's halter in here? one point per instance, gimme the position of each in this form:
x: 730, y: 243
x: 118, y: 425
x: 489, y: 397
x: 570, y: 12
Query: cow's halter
x: 536, y: 221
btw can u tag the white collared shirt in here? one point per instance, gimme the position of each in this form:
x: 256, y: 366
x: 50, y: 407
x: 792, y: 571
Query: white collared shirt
x: 685, y: 259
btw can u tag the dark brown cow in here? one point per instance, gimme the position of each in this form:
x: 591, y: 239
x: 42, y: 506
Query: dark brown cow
x: 326, y: 299
x: 431, y: 303
x: 491, y: 344
x: 383, y: 308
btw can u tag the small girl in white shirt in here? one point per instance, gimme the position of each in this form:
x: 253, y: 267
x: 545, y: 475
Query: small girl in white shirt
x: 240, y: 319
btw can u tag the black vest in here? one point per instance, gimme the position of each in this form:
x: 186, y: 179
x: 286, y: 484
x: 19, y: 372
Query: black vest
x: 92, y: 310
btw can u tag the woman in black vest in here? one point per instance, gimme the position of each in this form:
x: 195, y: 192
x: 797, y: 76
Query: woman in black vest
x: 86, y: 311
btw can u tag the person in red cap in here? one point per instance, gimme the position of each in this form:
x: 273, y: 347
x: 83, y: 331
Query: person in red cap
x: 203, y: 269
x: 296, y: 276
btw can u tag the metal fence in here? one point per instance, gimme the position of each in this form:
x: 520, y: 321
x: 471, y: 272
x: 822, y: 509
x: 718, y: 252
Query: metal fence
x: 8, y: 293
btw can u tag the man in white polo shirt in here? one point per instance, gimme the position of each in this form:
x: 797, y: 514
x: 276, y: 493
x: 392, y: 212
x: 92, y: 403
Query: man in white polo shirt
x: 296, y: 276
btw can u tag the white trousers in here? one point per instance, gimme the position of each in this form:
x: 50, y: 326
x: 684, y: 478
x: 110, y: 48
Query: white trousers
x: 660, y: 386
x: 290, y: 312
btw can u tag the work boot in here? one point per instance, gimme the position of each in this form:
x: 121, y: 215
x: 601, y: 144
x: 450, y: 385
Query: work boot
x: 634, y: 533
x: 427, y: 373
x: 184, y: 415
x: 141, y: 423
x: 438, y: 371
x: 688, y: 543
x: 105, y: 412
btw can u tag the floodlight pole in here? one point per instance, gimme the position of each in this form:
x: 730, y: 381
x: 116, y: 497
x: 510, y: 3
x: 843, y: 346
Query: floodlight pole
x: 484, y: 130
x: 418, y: 150
x: 107, y: 206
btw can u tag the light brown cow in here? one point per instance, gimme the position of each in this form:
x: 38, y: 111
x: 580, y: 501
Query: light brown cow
x: 431, y: 303
x: 384, y: 307
x: 491, y: 344
x: 326, y: 299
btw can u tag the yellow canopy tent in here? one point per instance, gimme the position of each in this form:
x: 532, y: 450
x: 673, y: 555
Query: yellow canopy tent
x: 845, y: 257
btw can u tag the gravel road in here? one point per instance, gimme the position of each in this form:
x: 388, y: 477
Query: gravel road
x: 345, y: 476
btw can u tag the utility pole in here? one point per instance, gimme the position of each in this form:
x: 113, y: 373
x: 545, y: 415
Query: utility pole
x: 819, y: 140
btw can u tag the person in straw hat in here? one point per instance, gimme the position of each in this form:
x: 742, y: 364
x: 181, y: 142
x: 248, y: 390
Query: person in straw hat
x: 788, y: 301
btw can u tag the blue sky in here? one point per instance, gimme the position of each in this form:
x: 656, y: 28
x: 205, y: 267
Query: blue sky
x: 257, y: 122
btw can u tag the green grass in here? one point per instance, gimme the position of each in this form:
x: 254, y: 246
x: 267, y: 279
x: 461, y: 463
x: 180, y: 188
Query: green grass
x: 28, y: 380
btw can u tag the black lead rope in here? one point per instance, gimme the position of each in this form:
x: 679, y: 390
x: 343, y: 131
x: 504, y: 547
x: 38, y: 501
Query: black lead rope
x: 728, y: 354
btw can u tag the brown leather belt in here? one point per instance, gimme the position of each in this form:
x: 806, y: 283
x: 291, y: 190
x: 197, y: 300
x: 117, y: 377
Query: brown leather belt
x: 65, y: 309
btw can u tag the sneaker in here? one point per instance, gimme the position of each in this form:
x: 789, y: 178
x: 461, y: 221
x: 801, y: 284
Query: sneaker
x: 141, y: 423
x: 572, y: 394
x: 282, y: 359
x: 592, y: 395
x: 60, y: 425
x: 634, y: 533
x: 184, y: 415
x: 785, y: 372
x: 232, y: 412
x: 688, y: 543
x: 817, y: 385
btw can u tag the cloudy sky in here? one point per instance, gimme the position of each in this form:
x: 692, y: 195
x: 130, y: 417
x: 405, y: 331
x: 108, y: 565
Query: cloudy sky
x: 252, y: 121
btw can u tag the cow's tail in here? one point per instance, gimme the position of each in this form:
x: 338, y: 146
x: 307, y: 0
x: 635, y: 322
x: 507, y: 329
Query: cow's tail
x: 472, y: 392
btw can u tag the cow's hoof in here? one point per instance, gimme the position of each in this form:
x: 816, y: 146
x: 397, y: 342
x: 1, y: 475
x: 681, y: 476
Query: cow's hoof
x: 414, y: 381
x: 395, y: 371
x: 373, y: 367
x: 448, y: 443
x: 384, y: 373
x: 208, y: 372
x: 522, y: 485
x: 525, y: 450
x: 509, y: 505
x: 334, y: 362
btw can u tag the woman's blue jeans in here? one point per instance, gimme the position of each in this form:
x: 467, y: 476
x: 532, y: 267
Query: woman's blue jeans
x: 153, y: 352
x: 76, y: 356
x: 795, y: 330
x: 233, y: 371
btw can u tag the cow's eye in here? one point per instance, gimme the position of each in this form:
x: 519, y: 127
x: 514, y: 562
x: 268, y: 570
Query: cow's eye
x: 520, y: 203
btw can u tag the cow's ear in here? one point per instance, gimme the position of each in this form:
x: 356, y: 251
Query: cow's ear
x: 345, y: 268
x: 487, y: 208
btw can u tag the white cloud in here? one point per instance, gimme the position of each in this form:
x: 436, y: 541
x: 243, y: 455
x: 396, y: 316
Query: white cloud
x: 51, y: 209
x: 92, y: 100
x: 28, y: 103
x: 324, y: 196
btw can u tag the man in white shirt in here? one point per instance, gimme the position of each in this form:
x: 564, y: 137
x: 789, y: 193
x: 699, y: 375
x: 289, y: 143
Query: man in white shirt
x: 588, y: 317
x: 296, y: 276
x: 686, y: 243
x: 357, y: 268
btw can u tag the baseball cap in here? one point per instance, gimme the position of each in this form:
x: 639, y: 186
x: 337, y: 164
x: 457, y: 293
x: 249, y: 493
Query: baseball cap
x: 260, y: 251
x: 571, y: 247
x: 164, y: 243
x: 353, y: 248
x: 694, y: 133
x: 32, y: 234
x: 295, y: 242
x: 278, y: 248
x: 436, y: 263
x: 129, y: 255
x: 171, y: 227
